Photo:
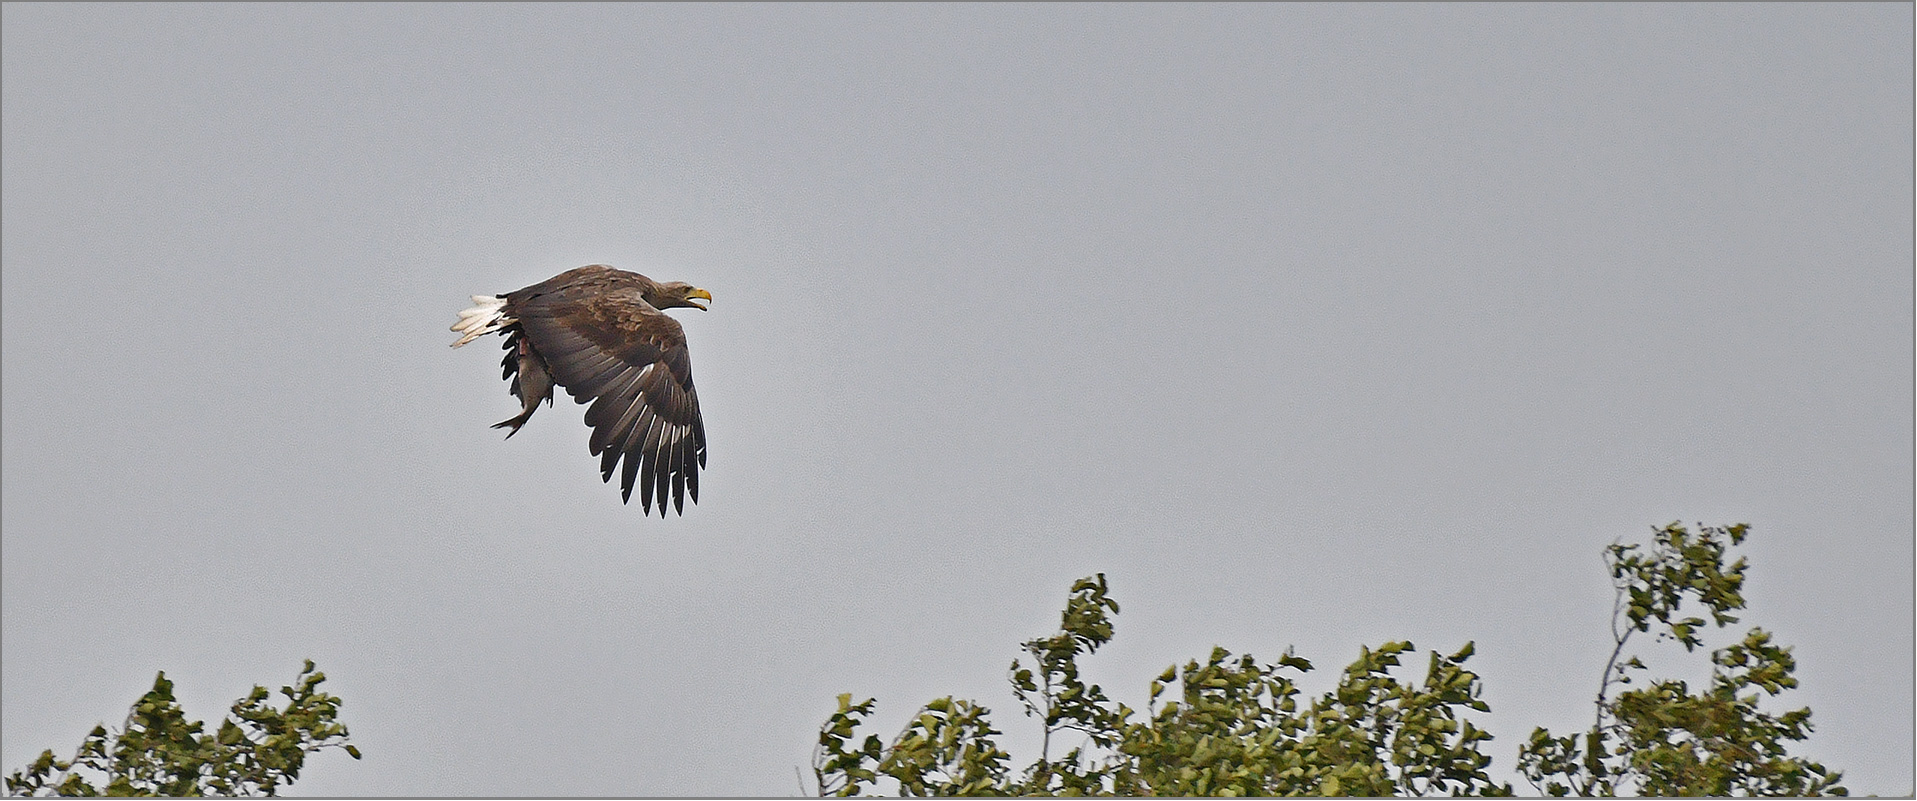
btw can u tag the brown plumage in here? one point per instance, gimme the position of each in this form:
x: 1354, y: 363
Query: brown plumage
x: 599, y: 333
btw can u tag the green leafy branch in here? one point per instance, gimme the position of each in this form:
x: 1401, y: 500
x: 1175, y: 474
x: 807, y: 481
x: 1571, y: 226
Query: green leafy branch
x: 1236, y: 728
x: 1661, y: 739
x: 158, y: 752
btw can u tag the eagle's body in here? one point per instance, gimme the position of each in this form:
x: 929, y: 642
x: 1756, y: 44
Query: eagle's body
x: 599, y: 333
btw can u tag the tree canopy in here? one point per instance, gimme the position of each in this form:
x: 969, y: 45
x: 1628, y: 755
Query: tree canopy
x: 1232, y: 725
x: 158, y: 752
x: 1222, y: 725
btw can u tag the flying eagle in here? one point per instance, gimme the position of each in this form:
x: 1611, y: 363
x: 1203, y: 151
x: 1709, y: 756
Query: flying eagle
x: 599, y: 333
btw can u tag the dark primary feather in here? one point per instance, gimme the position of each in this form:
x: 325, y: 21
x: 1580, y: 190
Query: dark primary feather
x: 592, y: 331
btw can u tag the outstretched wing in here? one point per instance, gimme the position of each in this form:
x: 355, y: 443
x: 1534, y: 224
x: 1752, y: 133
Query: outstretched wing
x: 608, y: 347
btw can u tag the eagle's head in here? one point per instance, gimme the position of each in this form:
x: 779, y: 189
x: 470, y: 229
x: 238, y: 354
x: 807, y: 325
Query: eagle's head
x: 676, y: 294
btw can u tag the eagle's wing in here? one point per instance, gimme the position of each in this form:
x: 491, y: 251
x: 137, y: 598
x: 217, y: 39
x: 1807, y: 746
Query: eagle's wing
x: 607, y: 346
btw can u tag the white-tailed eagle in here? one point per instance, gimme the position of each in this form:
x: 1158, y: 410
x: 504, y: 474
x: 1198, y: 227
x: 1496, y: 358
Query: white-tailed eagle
x: 599, y: 333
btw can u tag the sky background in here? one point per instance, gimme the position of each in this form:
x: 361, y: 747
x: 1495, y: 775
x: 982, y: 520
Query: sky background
x: 1309, y: 326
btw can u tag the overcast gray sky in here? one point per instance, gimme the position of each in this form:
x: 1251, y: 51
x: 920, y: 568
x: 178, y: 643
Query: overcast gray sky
x: 1307, y: 325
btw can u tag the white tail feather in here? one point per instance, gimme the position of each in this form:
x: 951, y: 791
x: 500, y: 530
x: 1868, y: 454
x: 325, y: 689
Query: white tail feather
x: 482, y: 319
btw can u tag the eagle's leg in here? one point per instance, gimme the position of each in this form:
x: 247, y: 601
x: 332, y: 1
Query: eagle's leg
x: 531, y: 381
